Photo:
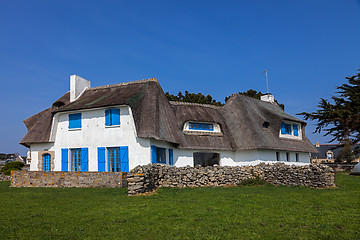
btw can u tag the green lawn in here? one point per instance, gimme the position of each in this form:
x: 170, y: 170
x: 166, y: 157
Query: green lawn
x: 246, y: 212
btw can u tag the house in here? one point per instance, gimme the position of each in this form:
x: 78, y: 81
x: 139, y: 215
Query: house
x: 117, y: 127
x: 328, y: 153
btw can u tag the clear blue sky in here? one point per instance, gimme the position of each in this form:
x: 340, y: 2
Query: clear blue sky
x: 213, y: 47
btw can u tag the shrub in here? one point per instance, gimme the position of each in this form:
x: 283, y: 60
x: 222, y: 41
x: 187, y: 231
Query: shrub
x: 11, y: 166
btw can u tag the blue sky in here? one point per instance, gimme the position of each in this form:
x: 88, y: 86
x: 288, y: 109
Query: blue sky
x: 213, y: 47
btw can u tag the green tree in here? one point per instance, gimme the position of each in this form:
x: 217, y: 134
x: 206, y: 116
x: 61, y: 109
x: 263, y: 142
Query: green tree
x: 193, y: 98
x: 340, y: 117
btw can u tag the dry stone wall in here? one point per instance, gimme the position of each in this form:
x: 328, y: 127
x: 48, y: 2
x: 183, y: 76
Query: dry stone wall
x: 68, y: 179
x: 147, y: 178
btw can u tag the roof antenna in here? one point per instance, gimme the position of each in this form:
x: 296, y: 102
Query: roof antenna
x: 267, y: 81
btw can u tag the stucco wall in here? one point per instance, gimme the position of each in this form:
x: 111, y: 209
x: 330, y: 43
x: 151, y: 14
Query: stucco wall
x: 94, y: 134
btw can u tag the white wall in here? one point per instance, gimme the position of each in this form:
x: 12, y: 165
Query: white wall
x: 94, y: 134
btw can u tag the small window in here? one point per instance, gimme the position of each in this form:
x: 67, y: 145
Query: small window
x: 277, y: 156
x: 114, y: 159
x: 112, y: 117
x: 76, y: 159
x: 288, y: 157
x: 290, y: 129
x: 329, y: 155
x: 201, y: 126
x: 161, y: 155
x: 266, y: 125
x: 297, y: 157
x: 158, y: 155
x: 286, y: 128
x: 47, y: 162
x: 75, y: 121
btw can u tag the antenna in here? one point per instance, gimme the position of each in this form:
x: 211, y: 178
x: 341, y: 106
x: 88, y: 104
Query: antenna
x: 267, y: 81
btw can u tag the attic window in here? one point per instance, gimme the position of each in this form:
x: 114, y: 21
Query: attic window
x: 290, y: 130
x: 266, y: 124
x: 202, y: 128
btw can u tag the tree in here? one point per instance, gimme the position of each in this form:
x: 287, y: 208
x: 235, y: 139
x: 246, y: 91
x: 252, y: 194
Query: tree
x: 193, y: 98
x: 340, y: 118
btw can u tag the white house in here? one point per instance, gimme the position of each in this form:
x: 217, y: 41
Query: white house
x: 117, y: 127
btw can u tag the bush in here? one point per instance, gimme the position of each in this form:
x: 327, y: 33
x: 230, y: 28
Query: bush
x: 11, y: 166
x: 253, y: 181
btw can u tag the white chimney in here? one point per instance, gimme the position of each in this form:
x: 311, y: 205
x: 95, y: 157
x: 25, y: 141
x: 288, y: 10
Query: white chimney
x: 268, y: 98
x: 77, y: 86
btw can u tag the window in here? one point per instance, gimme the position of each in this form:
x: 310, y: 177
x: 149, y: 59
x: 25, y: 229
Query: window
x: 76, y: 159
x: 114, y: 159
x: 266, y: 125
x: 290, y: 129
x: 285, y: 128
x: 288, y: 157
x: 297, y: 157
x: 329, y: 155
x: 117, y: 159
x: 112, y: 117
x: 47, y: 162
x: 158, y: 155
x: 277, y: 156
x: 75, y: 121
x: 201, y: 126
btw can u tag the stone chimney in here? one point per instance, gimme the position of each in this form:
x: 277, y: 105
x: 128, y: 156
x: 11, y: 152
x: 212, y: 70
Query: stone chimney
x: 77, y: 86
x: 268, y: 98
x: 317, y: 144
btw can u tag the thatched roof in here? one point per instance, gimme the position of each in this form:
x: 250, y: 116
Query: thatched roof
x: 241, y: 119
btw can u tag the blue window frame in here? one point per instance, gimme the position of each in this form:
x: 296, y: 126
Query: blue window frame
x: 201, y: 126
x: 75, y: 121
x: 158, y: 155
x: 47, y: 162
x: 75, y: 159
x: 296, y: 130
x: 114, y: 158
x: 112, y: 117
x: 290, y: 129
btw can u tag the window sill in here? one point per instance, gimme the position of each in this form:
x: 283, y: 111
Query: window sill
x: 74, y: 129
x: 112, y: 126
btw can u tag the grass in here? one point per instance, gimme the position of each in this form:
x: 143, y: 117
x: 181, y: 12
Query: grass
x: 245, y: 212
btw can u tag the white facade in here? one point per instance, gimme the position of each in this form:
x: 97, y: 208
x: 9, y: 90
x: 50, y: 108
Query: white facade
x: 94, y: 134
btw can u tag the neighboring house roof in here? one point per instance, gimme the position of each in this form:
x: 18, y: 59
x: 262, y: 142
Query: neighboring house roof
x: 241, y: 118
x: 334, y: 148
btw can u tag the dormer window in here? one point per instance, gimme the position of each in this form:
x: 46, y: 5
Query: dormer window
x: 290, y: 130
x: 202, y: 128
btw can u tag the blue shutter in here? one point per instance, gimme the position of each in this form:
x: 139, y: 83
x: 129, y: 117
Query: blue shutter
x: 64, y: 159
x: 124, y: 159
x: 283, y: 131
x: 171, y: 157
x: 84, y: 160
x: 101, y: 159
x: 115, y: 116
x: 296, y: 130
x: 74, y: 120
x: 107, y: 117
x: 153, y: 154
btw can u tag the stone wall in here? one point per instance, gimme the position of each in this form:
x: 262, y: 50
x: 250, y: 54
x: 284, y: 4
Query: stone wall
x: 4, y: 177
x: 147, y: 178
x: 68, y: 179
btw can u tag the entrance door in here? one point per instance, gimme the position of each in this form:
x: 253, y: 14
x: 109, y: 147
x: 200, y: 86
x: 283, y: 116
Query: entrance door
x: 206, y: 159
